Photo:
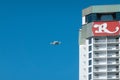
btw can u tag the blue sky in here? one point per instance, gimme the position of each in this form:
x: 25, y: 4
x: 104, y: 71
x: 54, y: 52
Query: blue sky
x: 26, y: 29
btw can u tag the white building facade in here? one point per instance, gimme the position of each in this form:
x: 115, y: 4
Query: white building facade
x: 99, y: 43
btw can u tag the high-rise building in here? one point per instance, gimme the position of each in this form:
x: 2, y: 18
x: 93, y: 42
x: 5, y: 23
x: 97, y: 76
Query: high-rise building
x: 99, y: 43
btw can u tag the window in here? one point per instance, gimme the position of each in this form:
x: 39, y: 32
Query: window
x: 90, y: 69
x: 90, y: 55
x: 88, y: 19
x: 89, y: 77
x: 118, y: 16
x: 90, y: 40
x: 102, y: 17
x: 106, y: 17
x: 90, y: 48
x: 91, y: 17
x: 90, y: 62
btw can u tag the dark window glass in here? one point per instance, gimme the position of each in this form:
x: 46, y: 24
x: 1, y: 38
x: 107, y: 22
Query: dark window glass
x: 90, y: 40
x: 91, y: 17
x: 88, y: 19
x: 90, y: 62
x: 90, y: 77
x: 90, y: 48
x: 102, y: 17
x: 118, y: 16
x: 94, y: 16
x: 90, y: 55
x: 106, y: 17
x: 90, y: 69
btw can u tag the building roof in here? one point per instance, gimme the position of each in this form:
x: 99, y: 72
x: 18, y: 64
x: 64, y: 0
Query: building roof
x: 101, y: 9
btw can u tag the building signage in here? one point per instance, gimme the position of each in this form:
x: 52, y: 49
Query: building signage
x: 106, y: 28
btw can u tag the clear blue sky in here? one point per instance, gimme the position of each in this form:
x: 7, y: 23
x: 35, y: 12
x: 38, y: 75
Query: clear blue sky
x: 26, y: 29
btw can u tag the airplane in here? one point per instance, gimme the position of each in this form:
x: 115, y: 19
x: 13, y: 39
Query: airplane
x: 55, y: 43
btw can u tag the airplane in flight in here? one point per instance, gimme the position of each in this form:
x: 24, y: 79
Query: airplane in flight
x: 55, y: 43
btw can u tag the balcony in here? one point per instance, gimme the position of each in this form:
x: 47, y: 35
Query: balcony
x: 100, y: 62
x: 113, y: 76
x: 99, y: 41
x: 113, y: 55
x: 99, y: 76
x: 99, y: 55
x: 100, y: 69
x: 113, y: 47
x: 113, y: 62
x: 113, y: 40
x: 113, y: 69
x: 99, y: 48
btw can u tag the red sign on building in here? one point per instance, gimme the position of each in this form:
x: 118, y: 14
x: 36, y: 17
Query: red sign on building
x: 110, y: 28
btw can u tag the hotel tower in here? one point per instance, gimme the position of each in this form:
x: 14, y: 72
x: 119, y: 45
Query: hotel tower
x: 99, y: 43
